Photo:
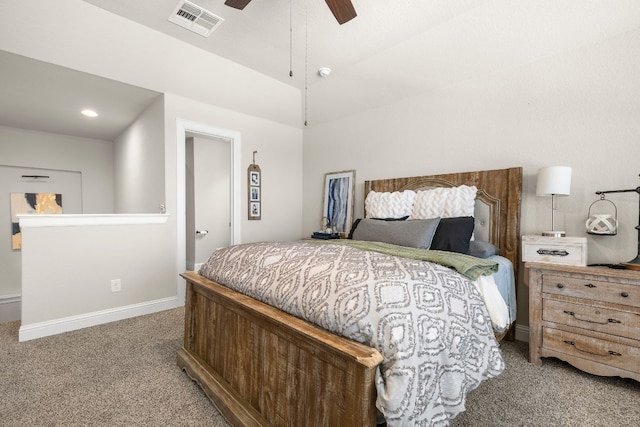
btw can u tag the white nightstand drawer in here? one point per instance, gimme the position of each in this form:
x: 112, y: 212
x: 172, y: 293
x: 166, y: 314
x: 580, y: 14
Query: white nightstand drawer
x: 555, y: 250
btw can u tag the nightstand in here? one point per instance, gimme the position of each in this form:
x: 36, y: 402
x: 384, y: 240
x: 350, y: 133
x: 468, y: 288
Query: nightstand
x: 586, y: 316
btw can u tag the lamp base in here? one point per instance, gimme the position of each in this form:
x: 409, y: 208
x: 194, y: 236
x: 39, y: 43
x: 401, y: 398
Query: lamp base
x: 554, y: 233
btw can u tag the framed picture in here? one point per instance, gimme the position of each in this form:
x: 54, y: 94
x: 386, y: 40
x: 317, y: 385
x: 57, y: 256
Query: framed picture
x: 31, y: 203
x: 254, y: 209
x: 255, y: 194
x: 337, y: 206
x: 254, y: 178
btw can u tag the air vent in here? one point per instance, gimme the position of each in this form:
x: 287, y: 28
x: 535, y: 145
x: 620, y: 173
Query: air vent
x: 195, y: 18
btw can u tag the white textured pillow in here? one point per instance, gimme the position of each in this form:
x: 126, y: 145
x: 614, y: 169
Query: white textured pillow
x: 445, y: 202
x: 389, y: 205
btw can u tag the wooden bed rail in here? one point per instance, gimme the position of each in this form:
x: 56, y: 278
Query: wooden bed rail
x: 263, y: 367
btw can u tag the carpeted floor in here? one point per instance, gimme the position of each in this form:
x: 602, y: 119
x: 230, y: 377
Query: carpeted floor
x: 124, y: 374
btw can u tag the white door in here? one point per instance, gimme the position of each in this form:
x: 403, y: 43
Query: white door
x: 208, y: 209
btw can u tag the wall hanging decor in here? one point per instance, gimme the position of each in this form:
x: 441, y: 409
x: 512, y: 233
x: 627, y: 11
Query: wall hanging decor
x: 31, y: 203
x: 337, y: 206
x: 634, y: 264
x: 254, y: 178
x: 602, y: 224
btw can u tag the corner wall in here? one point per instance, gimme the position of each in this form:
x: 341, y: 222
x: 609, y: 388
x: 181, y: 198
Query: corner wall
x: 139, y: 163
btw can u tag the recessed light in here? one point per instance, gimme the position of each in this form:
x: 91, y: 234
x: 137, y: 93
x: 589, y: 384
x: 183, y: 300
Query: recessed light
x: 89, y: 113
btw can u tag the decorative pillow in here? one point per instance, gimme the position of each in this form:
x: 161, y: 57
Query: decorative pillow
x: 389, y: 205
x: 445, y: 202
x: 415, y: 233
x: 453, y: 234
x: 482, y: 249
x: 357, y: 221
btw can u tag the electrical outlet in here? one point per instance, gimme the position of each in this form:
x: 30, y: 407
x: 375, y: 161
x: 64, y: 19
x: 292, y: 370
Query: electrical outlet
x: 116, y: 285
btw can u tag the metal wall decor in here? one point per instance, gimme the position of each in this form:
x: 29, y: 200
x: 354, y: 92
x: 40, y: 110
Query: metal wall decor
x: 634, y: 264
x: 254, y: 193
x: 602, y: 224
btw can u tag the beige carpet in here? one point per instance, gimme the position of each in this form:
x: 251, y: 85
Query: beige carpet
x: 124, y: 374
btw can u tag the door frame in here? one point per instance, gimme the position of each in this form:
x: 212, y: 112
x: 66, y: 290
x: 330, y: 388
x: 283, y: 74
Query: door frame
x: 234, y: 137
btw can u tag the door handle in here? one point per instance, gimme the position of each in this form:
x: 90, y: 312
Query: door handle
x: 202, y: 232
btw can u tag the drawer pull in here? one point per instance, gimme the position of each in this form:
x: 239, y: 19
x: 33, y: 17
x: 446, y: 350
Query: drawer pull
x: 572, y: 313
x: 590, y: 285
x: 560, y: 285
x: 609, y: 353
x: 552, y: 252
x: 624, y: 294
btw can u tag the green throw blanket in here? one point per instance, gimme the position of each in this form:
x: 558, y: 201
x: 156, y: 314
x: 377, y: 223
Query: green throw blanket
x: 466, y: 265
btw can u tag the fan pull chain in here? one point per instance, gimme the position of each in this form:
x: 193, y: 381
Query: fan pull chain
x: 290, y: 38
x: 306, y: 57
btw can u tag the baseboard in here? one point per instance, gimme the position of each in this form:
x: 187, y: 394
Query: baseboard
x: 72, y: 323
x: 522, y: 333
x: 194, y: 267
x: 10, y: 307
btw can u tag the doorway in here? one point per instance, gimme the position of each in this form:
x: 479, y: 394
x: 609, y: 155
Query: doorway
x: 208, y: 197
x: 186, y: 130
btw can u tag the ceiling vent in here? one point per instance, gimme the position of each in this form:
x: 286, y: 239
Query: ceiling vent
x: 195, y: 18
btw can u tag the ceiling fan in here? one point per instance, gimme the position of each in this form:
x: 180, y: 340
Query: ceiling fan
x: 342, y: 9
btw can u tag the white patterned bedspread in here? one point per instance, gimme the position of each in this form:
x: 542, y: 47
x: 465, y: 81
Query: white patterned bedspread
x: 429, y: 322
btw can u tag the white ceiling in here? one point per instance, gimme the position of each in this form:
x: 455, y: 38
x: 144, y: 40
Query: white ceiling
x: 40, y: 96
x: 393, y: 49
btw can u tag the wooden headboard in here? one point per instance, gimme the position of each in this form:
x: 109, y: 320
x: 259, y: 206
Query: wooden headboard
x: 497, y: 202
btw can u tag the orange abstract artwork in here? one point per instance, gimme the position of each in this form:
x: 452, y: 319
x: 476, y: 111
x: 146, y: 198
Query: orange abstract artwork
x: 31, y: 203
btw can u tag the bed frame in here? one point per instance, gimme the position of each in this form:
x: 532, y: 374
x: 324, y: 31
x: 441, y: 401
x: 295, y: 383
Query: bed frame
x: 263, y: 367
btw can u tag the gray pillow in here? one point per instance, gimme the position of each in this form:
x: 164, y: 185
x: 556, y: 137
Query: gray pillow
x: 482, y: 249
x: 417, y: 233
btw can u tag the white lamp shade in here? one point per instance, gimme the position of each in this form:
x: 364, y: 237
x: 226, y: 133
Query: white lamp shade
x: 554, y: 180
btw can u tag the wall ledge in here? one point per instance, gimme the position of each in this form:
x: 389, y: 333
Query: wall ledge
x: 73, y: 220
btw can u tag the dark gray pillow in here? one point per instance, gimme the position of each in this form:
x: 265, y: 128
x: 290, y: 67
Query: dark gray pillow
x: 453, y: 234
x: 482, y: 249
x: 417, y: 233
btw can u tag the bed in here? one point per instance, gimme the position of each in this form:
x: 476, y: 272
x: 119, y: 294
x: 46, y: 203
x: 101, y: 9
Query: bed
x: 262, y: 366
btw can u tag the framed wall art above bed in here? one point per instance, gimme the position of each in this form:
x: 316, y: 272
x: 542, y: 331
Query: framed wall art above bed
x: 337, y: 201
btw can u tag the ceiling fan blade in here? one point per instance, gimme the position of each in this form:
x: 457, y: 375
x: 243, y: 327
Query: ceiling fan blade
x: 237, y: 4
x: 343, y: 10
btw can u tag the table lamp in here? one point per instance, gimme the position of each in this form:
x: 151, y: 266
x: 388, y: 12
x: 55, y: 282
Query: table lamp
x: 554, y: 181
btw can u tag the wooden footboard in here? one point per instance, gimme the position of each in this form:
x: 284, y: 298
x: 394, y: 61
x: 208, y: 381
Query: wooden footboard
x: 262, y: 367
